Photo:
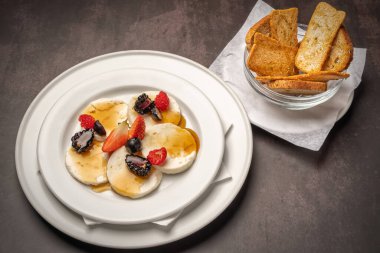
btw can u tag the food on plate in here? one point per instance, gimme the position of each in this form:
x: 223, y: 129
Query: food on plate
x: 315, y: 46
x: 116, y: 138
x: 269, y: 57
x: 109, y: 112
x: 138, y: 128
x: 86, y: 121
x: 180, y: 145
x: 262, y: 26
x: 88, y: 167
x: 99, y: 128
x: 133, y: 145
x: 144, y: 105
x: 157, y: 156
x: 341, y: 52
x: 322, y: 76
x: 283, y: 26
x: 81, y: 141
x: 128, y: 155
x: 324, y: 52
x: 124, y: 182
x: 297, y: 87
x: 85, y: 159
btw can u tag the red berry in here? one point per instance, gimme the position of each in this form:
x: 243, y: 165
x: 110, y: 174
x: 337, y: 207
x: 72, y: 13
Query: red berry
x: 162, y: 101
x: 157, y: 156
x: 137, y: 129
x: 86, y: 121
x: 117, y: 138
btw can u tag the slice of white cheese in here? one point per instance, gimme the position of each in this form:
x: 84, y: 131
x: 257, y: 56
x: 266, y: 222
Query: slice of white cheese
x: 124, y: 182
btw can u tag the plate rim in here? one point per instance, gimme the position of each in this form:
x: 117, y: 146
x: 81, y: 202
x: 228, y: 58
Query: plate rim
x: 64, y: 228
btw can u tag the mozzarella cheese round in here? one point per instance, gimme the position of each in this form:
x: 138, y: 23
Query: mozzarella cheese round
x: 171, y: 115
x: 88, y: 167
x: 109, y: 112
x: 180, y: 145
x: 124, y: 182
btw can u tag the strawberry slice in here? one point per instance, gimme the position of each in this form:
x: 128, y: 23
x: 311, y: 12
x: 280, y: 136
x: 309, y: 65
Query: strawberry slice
x: 157, y: 156
x: 117, y: 138
x: 137, y: 129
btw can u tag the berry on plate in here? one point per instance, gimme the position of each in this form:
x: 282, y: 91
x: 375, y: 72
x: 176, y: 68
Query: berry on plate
x: 162, y: 101
x: 117, y: 138
x: 138, y: 128
x: 138, y: 165
x: 86, y: 121
x: 143, y: 104
x: 82, y: 140
x: 133, y: 145
x: 157, y: 156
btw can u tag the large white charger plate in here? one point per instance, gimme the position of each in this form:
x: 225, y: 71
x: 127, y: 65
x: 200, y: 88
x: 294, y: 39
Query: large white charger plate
x: 211, y: 204
x: 175, y: 192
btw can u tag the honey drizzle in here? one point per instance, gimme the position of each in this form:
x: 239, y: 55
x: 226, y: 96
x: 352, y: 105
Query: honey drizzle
x: 196, y: 138
x: 107, y: 112
x: 127, y: 184
x: 171, y: 117
x: 101, y: 187
x: 182, y: 122
x: 91, y: 164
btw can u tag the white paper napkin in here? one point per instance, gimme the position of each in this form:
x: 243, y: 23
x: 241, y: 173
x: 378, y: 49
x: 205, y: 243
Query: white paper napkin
x: 306, y: 128
x: 222, y: 176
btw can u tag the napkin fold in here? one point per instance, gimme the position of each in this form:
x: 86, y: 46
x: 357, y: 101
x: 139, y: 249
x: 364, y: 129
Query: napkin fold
x: 222, y: 176
x: 305, y: 128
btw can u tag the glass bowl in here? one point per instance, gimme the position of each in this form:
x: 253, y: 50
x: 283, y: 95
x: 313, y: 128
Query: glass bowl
x: 291, y: 102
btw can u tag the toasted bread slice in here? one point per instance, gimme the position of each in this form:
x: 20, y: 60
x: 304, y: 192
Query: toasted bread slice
x: 341, y: 52
x: 262, y: 27
x: 315, y: 46
x: 297, y: 87
x: 270, y: 57
x: 283, y: 26
x: 322, y: 76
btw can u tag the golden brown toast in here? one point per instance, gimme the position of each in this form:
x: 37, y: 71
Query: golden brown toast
x: 262, y: 27
x: 297, y: 87
x: 322, y: 76
x: 283, y: 26
x: 270, y: 57
x: 341, y: 52
x: 315, y: 46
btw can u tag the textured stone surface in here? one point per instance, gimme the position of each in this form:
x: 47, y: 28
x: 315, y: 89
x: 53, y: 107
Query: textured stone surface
x: 294, y: 200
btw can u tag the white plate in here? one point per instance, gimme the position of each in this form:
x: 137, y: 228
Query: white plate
x: 175, y: 192
x: 212, y: 203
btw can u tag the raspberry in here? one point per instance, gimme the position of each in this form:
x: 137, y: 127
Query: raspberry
x: 86, y: 121
x: 162, y: 101
x: 157, y: 156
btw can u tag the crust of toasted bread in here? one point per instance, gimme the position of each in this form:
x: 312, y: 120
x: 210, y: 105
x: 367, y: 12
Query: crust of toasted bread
x: 262, y: 27
x: 283, y: 26
x: 341, y: 53
x: 297, y: 87
x: 315, y: 46
x: 270, y: 57
x: 322, y: 76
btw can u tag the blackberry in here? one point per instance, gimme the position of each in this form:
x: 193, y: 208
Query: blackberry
x: 81, y: 141
x: 138, y: 165
x: 143, y: 104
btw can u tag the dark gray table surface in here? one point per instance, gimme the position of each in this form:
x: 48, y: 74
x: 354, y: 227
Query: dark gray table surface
x: 294, y: 200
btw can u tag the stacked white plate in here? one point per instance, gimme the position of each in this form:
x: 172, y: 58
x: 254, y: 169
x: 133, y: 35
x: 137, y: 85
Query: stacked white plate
x: 204, y: 100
